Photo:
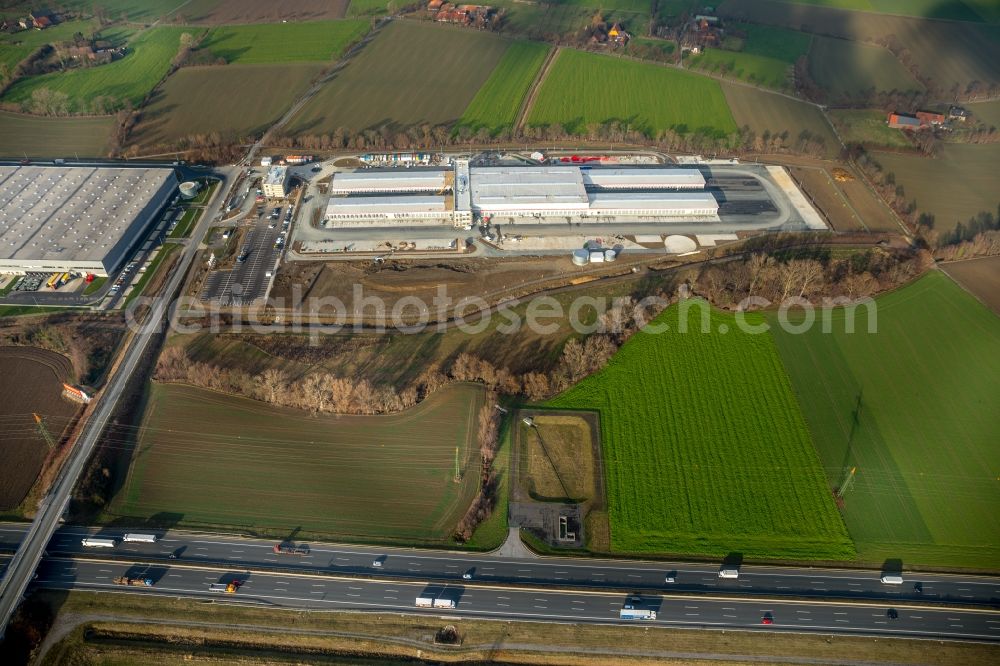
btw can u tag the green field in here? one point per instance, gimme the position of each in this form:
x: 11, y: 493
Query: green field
x: 705, y: 449
x: 275, y: 470
x: 227, y: 100
x: 766, y: 112
x: 130, y: 78
x: 317, y: 41
x: 954, y: 186
x: 987, y: 113
x: 411, y: 73
x: 496, y: 104
x: 956, y: 10
x: 367, y: 7
x: 583, y: 88
x: 130, y: 10
x: 867, y: 126
x: 845, y: 69
x: 759, y: 70
x: 913, y: 408
x: 33, y: 136
x: 188, y: 220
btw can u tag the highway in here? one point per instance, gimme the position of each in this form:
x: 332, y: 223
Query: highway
x: 26, y: 559
x: 552, y: 573
x: 486, y: 600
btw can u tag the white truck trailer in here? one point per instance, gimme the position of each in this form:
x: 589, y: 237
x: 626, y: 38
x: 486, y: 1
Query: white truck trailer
x: 94, y: 542
x: 140, y: 538
x: 425, y: 602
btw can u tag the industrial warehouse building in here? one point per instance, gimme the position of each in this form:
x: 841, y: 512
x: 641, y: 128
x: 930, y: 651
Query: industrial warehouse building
x: 522, y: 194
x: 76, y: 218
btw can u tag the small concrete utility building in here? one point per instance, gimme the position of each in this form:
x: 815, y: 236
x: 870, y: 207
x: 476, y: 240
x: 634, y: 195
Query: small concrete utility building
x: 276, y: 182
x: 81, y: 219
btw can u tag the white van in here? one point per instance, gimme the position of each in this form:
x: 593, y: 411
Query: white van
x: 729, y: 572
x: 892, y: 579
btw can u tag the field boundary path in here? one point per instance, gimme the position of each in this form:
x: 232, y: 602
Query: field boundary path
x: 315, y: 88
x: 529, y: 99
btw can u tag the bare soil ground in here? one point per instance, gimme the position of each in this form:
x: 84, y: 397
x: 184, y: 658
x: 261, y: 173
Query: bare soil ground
x: 980, y: 277
x: 221, y: 12
x: 819, y: 187
x: 413, y: 278
x: 861, y: 201
x: 30, y: 382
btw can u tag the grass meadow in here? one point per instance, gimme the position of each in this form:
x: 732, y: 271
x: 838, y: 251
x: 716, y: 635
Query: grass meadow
x: 767, y: 57
x: 705, y: 449
x: 271, y: 470
x: 34, y: 136
x: 130, y: 78
x: 844, y: 69
x: 496, y: 104
x: 138, y: 11
x: 955, y: 10
x: 227, y: 100
x: 584, y: 88
x: 765, y: 112
x: 867, y: 126
x: 953, y: 186
x: 317, y: 41
x: 403, y: 78
x: 913, y: 408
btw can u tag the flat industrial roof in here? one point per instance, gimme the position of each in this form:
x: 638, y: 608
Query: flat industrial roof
x: 665, y: 178
x: 652, y: 200
x: 276, y: 175
x: 71, y: 214
x: 360, y: 181
x: 397, y: 204
x: 524, y: 186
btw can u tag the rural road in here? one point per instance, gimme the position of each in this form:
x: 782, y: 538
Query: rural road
x: 850, y: 585
x: 22, y: 567
x: 488, y: 600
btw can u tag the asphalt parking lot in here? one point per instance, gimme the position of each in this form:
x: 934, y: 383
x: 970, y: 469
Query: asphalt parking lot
x: 247, y: 281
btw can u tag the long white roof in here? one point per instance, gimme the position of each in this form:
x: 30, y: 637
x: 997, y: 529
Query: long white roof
x: 72, y: 214
x: 390, y: 204
x: 641, y: 178
x: 652, y: 200
x: 388, y: 181
x: 494, y: 187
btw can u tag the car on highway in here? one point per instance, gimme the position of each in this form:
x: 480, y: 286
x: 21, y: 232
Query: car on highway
x: 379, y: 561
x: 468, y: 574
x: 767, y: 619
x: 671, y: 577
x: 892, y: 614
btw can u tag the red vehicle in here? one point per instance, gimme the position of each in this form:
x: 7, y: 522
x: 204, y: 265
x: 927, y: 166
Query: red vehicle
x: 767, y: 619
x: 289, y: 549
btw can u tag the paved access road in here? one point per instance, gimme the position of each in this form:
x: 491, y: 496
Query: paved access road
x: 445, y: 566
x: 29, y: 554
x: 482, y: 599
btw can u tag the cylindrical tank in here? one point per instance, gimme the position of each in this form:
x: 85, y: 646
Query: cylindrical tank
x: 189, y: 189
x: 610, y: 255
x: 581, y: 257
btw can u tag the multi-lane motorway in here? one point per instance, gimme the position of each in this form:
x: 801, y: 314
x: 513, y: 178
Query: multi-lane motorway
x: 337, y: 576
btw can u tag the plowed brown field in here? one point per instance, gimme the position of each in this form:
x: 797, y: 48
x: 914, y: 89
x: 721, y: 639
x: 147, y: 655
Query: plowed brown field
x: 30, y: 382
